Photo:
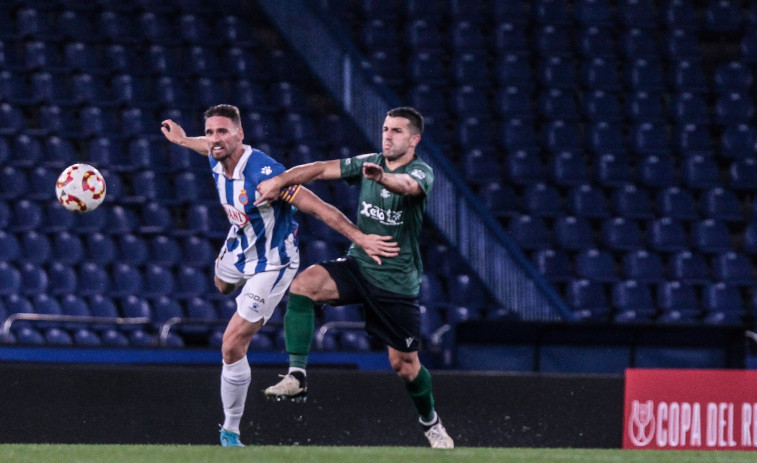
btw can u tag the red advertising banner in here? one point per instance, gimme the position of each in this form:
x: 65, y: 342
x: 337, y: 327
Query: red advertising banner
x: 690, y: 410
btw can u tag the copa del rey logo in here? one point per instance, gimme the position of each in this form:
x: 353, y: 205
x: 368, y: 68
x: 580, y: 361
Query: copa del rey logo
x: 708, y: 410
x: 710, y: 425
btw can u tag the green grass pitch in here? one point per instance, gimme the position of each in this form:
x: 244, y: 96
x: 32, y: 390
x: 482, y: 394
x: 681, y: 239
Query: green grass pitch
x: 42, y: 453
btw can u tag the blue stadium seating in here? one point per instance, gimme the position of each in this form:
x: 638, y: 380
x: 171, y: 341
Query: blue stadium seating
x: 589, y: 300
x: 677, y: 203
x: 554, y: 264
x: 678, y: 302
x: 711, y: 236
x: 542, y: 200
x: 689, y: 267
x: 721, y: 204
x: 733, y: 268
x: 596, y: 265
x: 530, y: 232
x: 632, y: 202
x: 737, y: 141
x: 667, y: 235
x: 643, y: 266
x: 633, y: 301
x: 573, y: 233
x: 588, y: 201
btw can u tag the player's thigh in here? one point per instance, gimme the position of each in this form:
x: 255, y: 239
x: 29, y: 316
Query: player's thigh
x: 316, y: 283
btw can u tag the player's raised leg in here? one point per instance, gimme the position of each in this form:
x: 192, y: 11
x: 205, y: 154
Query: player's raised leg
x: 314, y: 284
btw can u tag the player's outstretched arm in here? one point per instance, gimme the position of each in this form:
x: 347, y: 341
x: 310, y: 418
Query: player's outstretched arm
x: 298, y: 175
x: 176, y: 134
x: 402, y: 184
x: 375, y: 246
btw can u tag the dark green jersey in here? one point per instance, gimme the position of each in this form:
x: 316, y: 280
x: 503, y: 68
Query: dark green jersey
x: 381, y: 212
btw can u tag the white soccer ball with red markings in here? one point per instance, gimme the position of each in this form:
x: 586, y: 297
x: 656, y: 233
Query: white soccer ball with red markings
x: 80, y: 188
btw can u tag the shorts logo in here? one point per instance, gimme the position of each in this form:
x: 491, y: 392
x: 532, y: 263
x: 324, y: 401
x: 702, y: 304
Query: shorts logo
x: 409, y: 341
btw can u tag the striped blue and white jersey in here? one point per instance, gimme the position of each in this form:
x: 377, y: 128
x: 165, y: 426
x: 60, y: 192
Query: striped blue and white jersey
x: 263, y: 237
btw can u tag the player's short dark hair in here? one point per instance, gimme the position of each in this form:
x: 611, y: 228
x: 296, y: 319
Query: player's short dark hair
x: 411, y: 114
x: 225, y: 110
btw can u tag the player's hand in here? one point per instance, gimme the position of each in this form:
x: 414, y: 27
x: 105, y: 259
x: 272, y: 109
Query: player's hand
x: 373, y: 172
x: 268, y: 190
x: 173, y: 131
x: 378, y: 246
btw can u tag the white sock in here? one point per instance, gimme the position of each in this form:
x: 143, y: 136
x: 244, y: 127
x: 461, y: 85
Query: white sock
x: 235, y: 380
x: 431, y: 422
x: 301, y: 370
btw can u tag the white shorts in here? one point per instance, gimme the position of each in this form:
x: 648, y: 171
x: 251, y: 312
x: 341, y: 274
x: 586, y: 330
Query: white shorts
x: 262, y: 291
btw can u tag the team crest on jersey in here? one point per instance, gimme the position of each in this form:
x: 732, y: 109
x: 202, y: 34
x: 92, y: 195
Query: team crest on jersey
x: 385, y: 193
x: 243, y: 198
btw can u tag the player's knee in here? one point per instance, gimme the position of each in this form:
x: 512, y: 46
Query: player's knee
x: 404, y: 367
x: 301, y: 285
x: 233, y: 349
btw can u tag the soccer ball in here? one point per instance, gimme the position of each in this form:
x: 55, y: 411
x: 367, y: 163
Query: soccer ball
x: 80, y: 188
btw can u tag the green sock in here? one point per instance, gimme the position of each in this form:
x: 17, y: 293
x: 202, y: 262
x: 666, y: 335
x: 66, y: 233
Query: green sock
x: 298, y: 329
x: 420, y: 391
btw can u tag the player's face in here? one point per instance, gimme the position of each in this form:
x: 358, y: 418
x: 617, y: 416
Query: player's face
x: 397, y: 139
x: 224, y: 138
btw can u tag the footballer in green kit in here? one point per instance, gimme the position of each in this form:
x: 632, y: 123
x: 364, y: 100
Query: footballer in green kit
x: 394, y: 189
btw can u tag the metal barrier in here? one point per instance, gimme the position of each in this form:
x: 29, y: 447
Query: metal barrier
x: 453, y: 207
x: 5, y: 331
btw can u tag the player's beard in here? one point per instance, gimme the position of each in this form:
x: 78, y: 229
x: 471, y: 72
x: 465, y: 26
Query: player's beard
x: 220, y: 155
x: 393, y: 154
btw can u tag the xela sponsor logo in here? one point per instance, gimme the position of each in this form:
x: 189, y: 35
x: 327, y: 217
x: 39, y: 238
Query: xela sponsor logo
x: 236, y: 217
x: 243, y: 197
x: 266, y: 170
x: 386, y: 217
x: 693, y: 424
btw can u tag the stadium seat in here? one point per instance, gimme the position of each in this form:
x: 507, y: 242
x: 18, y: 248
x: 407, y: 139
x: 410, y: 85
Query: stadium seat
x: 723, y: 17
x: 354, y: 341
x: 633, y: 301
x: 678, y: 302
x: 542, y: 200
x: 657, y: 171
x: 724, y: 300
x: 650, y: 139
x: 588, y: 299
x: 644, y: 266
x: 27, y: 151
x: 573, y: 233
x: 689, y: 267
x: 733, y: 268
x: 156, y: 218
x: 552, y: 40
x: 63, y: 280
x: 711, y: 236
x: 637, y: 43
x: 681, y: 14
x: 510, y: 37
x: 632, y: 202
x: 693, y: 140
x: 606, y: 138
x: 519, y: 135
x: 530, y: 232
x: 594, y: 13
x: 738, y: 141
x: 10, y: 279
x: 524, y: 167
x: 688, y: 76
x: 600, y: 74
x: 588, y: 201
x: 612, y: 170
x: 67, y: 248
x: 127, y: 280
x: 27, y: 216
x: 133, y: 249
x: 568, y: 168
x: 749, y: 243
x: 637, y: 13
x: 36, y: 247
x: 556, y: 104
x: 599, y: 105
x: 677, y: 203
x: 721, y: 204
x: 733, y: 108
x: 471, y: 69
x: 499, y: 199
x: 596, y: 42
x: 667, y: 235
x: 596, y: 265
x: 742, y: 173
x: 689, y: 108
x: 681, y: 45
x: 514, y: 69
x: 700, y: 172
x: 557, y: 72
x: 159, y: 280
x: 190, y: 282
x: 554, y: 264
x: 551, y: 12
